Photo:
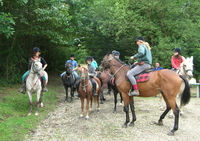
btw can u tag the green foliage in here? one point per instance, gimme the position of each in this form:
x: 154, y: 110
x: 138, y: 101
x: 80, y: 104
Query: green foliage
x: 14, y: 122
x: 62, y: 27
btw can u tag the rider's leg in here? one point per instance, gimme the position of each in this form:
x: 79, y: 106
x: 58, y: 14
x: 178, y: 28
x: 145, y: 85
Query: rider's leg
x: 23, y: 88
x: 44, y: 81
x: 61, y: 75
x: 93, y: 86
x: 131, y: 73
x: 76, y: 74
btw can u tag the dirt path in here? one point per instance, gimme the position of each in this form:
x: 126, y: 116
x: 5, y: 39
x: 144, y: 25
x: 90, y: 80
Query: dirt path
x: 64, y: 123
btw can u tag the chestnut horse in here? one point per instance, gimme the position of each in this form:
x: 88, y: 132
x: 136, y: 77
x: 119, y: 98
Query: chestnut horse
x: 85, y: 91
x: 166, y: 82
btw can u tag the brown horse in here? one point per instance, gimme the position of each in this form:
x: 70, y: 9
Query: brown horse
x: 164, y: 81
x: 106, y: 81
x: 85, y: 91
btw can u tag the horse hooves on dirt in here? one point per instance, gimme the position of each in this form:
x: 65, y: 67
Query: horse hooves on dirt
x: 124, y: 126
x: 87, y: 117
x: 158, y: 123
x: 131, y: 124
x: 101, y: 102
x: 81, y: 116
x: 170, y: 133
x: 114, y: 111
x: 41, y: 105
x: 170, y: 116
x: 36, y: 114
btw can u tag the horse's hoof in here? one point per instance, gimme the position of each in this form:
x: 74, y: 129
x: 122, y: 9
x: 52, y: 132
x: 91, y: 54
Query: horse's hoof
x: 29, y: 114
x: 36, y: 114
x: 170, y: 116
x: 87, y: 117
x: 120, y: 104
x: 81, y: 116
x: 131, y: 124
x: 41, y: 105
x: 124, y: 126
x: 159, y: 123
x: 101, y: 102
x: 114, y: 111
x: 170, y: 133
x: 98, y: 109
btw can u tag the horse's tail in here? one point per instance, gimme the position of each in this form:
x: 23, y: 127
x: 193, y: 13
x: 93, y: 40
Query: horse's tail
x: 185, y: 97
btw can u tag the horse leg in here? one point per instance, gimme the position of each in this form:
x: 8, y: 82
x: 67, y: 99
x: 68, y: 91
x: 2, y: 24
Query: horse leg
x: 115, y: 101
x: 101, y: 95
x: 121, y: 98
x: 126, y: 108
x: 38, y: 102
x: 133, y: 111
x: 160, y: 122
x: 98, y: 103
x: 41, y: 103
x: 176, y: 114
x: 91, y: 104
x: 72, y: 94
x: 30, y: 101
x: 87, y: 108
x: 66, y: 90
x: 82, y: 106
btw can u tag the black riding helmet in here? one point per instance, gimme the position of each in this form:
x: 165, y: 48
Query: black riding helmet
x: 177, y: 50
x: 139, y: 38
x: 115, y: 53
x: 89, y: 58
x: 36, y: 49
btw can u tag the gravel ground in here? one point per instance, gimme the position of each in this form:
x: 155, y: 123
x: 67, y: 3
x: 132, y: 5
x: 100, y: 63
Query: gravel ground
x: 64, y: 124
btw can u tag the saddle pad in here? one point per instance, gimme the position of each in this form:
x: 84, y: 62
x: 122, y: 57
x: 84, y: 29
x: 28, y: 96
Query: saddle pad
x: 143, y: 77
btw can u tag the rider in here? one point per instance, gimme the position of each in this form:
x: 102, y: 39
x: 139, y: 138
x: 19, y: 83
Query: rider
x: 74, y: 66
x: 36, y: 56
x: 144, y: 62
x: 176, y: 59
x: 116, y: 53
x: 94, y: 63
x: 92, y: 74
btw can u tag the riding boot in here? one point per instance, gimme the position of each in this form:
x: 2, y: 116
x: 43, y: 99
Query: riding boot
x: 44, y: 89
x: 23, y: 88
x: 134, y: 91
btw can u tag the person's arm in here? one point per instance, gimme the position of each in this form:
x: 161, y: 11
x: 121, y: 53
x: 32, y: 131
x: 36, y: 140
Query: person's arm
x: 76, y: 66
x: 44, y: 63
x: 173, y: 63
x: 141, y: 52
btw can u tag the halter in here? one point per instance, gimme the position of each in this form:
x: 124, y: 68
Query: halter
x: 84, y: 79
x: 115, y: 65
x: 186, y: 71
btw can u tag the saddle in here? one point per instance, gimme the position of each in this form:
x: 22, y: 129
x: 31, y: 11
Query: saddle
x: 144, y: 76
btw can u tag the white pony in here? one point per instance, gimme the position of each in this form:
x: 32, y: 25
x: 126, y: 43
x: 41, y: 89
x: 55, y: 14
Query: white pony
x: 33, y: 84
x: 186, y: 69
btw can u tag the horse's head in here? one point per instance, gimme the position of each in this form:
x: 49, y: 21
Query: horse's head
x: 106, y: 62
x: 36, y: 66
x: 188, y: 66
x: 68, y: 67
x: 83, y: 73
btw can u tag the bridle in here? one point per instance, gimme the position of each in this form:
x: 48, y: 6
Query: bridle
x: 110, y: 60
x: 186, y: 71
x: 83, y: 78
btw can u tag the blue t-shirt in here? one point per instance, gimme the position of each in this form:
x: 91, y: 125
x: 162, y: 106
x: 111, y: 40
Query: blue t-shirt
x: 159, y: 68
x: 74, y: 63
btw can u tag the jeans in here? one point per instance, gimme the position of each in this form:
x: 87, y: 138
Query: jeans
x: 26, y: 74
x: 74, y: 72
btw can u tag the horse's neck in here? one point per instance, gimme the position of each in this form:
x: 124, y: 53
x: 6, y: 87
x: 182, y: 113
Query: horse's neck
x: 119, y: 73
x: 33, y: 76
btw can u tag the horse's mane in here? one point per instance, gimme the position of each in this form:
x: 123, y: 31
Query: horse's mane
x: 117, y: 59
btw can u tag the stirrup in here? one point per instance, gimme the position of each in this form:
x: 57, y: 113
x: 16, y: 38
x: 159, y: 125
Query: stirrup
x: 134, y: 93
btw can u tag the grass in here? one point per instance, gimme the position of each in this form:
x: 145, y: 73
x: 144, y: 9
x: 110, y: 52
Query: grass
x: 14, y: 107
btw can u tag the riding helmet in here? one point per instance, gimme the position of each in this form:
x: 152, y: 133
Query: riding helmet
x: 177, y: 50
x: 72, y: 55
x: 89, y: 58
x: 139, y: 38
x: 36, y: 49
x: 115, y: 53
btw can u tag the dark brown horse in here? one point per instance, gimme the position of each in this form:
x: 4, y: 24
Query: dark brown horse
x: 165, y: 81
x: 106, y: 83
x: 85, y: 91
